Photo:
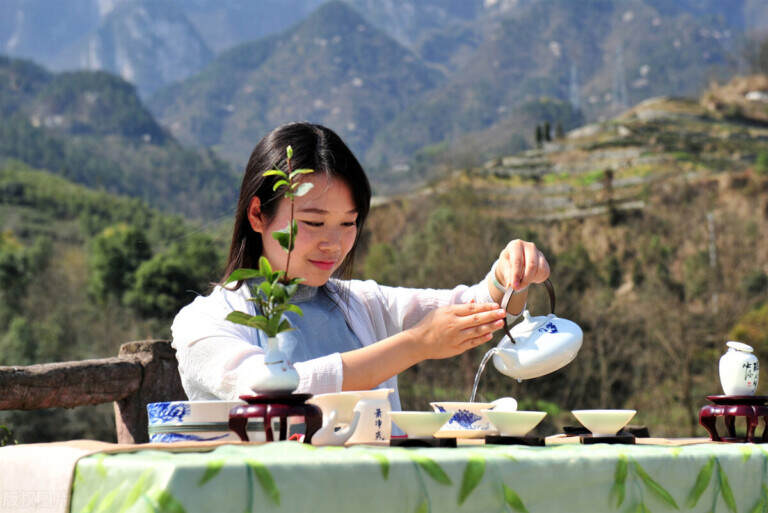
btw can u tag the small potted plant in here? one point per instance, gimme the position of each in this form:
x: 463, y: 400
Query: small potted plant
x: 273, y: 293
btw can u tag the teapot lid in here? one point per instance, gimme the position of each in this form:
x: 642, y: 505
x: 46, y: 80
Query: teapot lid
x: 510, y: 292
x: 739, y: 346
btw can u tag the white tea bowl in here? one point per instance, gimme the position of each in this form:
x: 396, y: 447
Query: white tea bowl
x: 464, y: 416
x: 515, y: 423
x: 604, y: 422
x: 419, y: 423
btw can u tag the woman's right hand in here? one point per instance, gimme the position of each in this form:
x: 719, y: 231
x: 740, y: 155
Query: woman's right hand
x: 450, y: 330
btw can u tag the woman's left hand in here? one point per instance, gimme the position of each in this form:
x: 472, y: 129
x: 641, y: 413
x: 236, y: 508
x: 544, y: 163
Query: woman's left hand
x: 520, y: 264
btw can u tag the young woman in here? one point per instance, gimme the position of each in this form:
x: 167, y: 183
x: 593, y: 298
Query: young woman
x: 354, y: 335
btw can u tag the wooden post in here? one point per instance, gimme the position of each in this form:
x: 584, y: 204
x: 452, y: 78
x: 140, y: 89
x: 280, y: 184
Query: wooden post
x: 160, y: 381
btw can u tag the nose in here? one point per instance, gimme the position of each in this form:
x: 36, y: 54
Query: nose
x: 330, y: 240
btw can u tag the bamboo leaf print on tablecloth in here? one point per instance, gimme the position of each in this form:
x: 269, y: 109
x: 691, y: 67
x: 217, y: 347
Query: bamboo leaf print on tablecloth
x: 653, y: 486
x: 423, y: 507
x: 140, y: 487
x: 383, y: 463
x: 514, y: 500
x: 473, y: 474
x: 266, y: 480
x: 91, y: 503
x: 702, y: 482
x: 105, y: 506
x: 725, y: 489
x: 164, y: 502
x: 619, y: 488
x: 433, y: 469
x: 213, y: 468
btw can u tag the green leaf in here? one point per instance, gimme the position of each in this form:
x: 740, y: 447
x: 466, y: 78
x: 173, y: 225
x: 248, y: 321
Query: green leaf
x: 297, y: 172
x: 513, y: 499
x: 746, y: 452
x: 242, y: 274
x: 423, y: 507
x: 167, y: 503
x: 266, y: 480
x: 473, y: 474
x: 303, y: 188
x: 275, y: 172
x: 266, y: 288
x: 273, y: 326
x: 137, y: 489
x: 289, y: 152
x: 295, y: 309
x: 431, y: 468
x: 285, y: 325
x: 702, y: 481
x: 211, y: 470
x: 758, y: 507
x: 252, y: 321
x: 383, y: 463
x: 279, y: 184
x: 725, y: 489
x: 619, y: 488
x: 654, y: 487
x: 278, y: 292
x: 264, y: 266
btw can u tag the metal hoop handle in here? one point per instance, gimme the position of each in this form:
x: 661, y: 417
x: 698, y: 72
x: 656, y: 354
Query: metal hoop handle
x: 508, y: 295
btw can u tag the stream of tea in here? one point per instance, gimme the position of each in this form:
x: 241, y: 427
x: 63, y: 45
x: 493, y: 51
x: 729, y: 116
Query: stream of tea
x: 480, y: 370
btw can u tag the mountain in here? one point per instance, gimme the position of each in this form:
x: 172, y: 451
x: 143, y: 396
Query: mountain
x: 632, y: 51
x: 148, y: 43
x: 333, y: 68
x: 92, y: 128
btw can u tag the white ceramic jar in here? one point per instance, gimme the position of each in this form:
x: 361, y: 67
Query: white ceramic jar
x: 739, y: 370
x: 375, y: 424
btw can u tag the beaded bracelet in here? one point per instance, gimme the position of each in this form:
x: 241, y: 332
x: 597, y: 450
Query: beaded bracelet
x: 499, y: 286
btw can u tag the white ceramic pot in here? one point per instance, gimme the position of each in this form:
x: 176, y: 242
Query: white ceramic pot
x: 375, y: 424
x: 739, y: 370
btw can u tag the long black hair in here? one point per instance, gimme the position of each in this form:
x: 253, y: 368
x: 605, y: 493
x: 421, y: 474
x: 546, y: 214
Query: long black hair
x: 314, y: 147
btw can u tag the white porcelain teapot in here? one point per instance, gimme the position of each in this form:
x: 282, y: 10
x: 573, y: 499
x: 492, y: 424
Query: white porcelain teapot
x: 537, y: 345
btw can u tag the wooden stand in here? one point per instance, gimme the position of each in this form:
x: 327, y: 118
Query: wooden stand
x: 534, y: 441
x: 751, y: 407
x: 423, y: 442
x: 269, y: 406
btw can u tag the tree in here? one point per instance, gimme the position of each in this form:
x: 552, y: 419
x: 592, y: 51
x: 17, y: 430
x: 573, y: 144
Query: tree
x: 115, y: 254
x: 167, y: 281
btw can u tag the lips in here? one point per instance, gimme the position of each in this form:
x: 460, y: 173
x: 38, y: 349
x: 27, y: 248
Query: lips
x: 325, y: 265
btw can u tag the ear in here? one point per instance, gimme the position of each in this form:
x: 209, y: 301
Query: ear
x: 255, y: 216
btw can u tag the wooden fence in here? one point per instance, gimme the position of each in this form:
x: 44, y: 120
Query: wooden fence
x: 142, y: 373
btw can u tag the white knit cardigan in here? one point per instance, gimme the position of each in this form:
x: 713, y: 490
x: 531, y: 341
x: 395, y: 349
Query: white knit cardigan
x: 217, y: 358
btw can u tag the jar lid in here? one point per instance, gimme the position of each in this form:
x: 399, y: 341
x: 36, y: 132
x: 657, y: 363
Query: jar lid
x: 739, y: 346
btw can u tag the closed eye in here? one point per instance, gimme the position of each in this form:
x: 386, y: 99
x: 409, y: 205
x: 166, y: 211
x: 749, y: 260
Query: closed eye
x: 313, y: 223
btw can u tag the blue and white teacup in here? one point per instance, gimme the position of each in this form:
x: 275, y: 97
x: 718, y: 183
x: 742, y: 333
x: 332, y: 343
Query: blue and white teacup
x: 467, y: 417
x: 195, y: 421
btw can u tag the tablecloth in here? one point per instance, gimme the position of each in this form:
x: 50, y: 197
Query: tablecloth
x: 293, y: 477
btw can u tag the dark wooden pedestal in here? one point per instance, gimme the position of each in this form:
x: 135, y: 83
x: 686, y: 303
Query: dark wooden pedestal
x: 269, y: 406
x: 751, y: 407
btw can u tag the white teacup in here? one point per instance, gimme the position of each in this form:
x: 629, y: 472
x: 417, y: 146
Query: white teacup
x: 465, y: 416
x: 339, y: 419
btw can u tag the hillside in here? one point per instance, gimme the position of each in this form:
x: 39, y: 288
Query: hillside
x: 654, y: 224
x: 82, y: 272
x: 333, y: 68
x: 91, y: 128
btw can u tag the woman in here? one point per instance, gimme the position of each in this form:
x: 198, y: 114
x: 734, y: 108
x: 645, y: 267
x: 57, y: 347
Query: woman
x: 354, y: 335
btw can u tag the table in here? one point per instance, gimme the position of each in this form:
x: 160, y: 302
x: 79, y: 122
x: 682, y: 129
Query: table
x: 293, y: 477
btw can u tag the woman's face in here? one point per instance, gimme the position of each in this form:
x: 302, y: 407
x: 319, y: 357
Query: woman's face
x: 326, y: 218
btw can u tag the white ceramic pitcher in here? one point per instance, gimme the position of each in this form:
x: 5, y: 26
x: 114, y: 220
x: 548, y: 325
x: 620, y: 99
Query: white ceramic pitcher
x: 339, y: 420
x: 537, y: 345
